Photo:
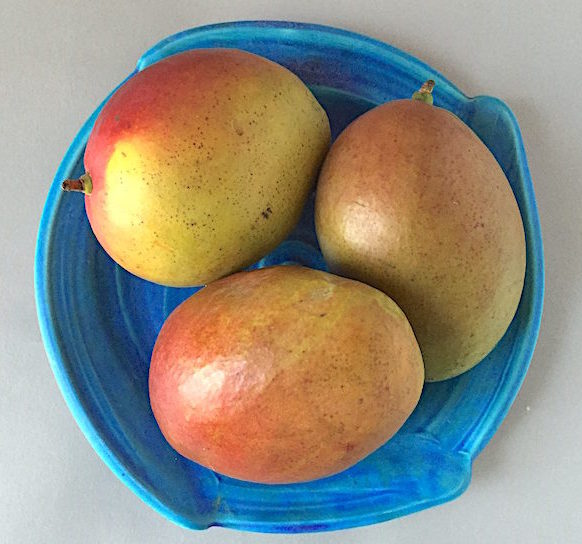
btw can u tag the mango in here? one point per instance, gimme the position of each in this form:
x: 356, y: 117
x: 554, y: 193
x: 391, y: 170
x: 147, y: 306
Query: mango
x: 284, y: 374
x: 412, y: 202
x: 200, y: 164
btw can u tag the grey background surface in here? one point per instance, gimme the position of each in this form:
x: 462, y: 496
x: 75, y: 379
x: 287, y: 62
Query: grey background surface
x: 59, y: 59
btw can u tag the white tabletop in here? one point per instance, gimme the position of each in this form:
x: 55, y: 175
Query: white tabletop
x: 59, y: 59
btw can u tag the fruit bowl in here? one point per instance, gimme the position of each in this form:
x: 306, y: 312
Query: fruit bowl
x: 99, y: 323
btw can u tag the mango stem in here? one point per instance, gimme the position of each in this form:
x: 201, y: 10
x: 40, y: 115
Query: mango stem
x: 84, y: 184
x: 424, y: 94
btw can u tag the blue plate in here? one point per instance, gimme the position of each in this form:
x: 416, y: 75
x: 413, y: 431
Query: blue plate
x: 99, y: 323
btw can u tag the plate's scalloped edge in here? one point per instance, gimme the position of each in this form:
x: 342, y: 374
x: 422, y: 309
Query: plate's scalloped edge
x: 474, y: 442
x: 383, y: 503
x: 470, y: 446
x: 345, y: 522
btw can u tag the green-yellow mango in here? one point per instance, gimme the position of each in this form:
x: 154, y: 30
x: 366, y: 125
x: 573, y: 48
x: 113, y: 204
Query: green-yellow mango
x: 200, y: 164
x: 412, y: 202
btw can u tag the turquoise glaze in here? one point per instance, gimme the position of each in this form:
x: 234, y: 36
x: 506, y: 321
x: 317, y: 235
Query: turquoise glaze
x: 99, y: 323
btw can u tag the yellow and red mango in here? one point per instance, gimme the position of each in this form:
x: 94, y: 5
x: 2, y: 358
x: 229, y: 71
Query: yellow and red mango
x: 200, y: 164
x: 284, y: 374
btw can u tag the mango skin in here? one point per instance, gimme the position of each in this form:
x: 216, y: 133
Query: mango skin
x: 201, y: 164
x: 284, y: 374
x: 410, y: 201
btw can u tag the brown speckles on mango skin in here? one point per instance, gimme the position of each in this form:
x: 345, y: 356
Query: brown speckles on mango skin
x: 411, y: 201
x: 284, y: 374
x: 189, y: 153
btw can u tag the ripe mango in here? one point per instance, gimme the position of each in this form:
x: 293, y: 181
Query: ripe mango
x: 284, y: 374
x: 200, y: 164
x: 410, y: 200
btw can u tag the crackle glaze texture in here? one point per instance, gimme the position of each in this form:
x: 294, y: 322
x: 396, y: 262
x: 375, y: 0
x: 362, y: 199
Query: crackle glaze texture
x: 410, y: 201
x: 99, y: 323
x: 201, y: 164
x: 284, y: 374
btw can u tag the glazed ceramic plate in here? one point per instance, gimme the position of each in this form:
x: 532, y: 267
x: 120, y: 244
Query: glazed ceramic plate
x: 99, y: 323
